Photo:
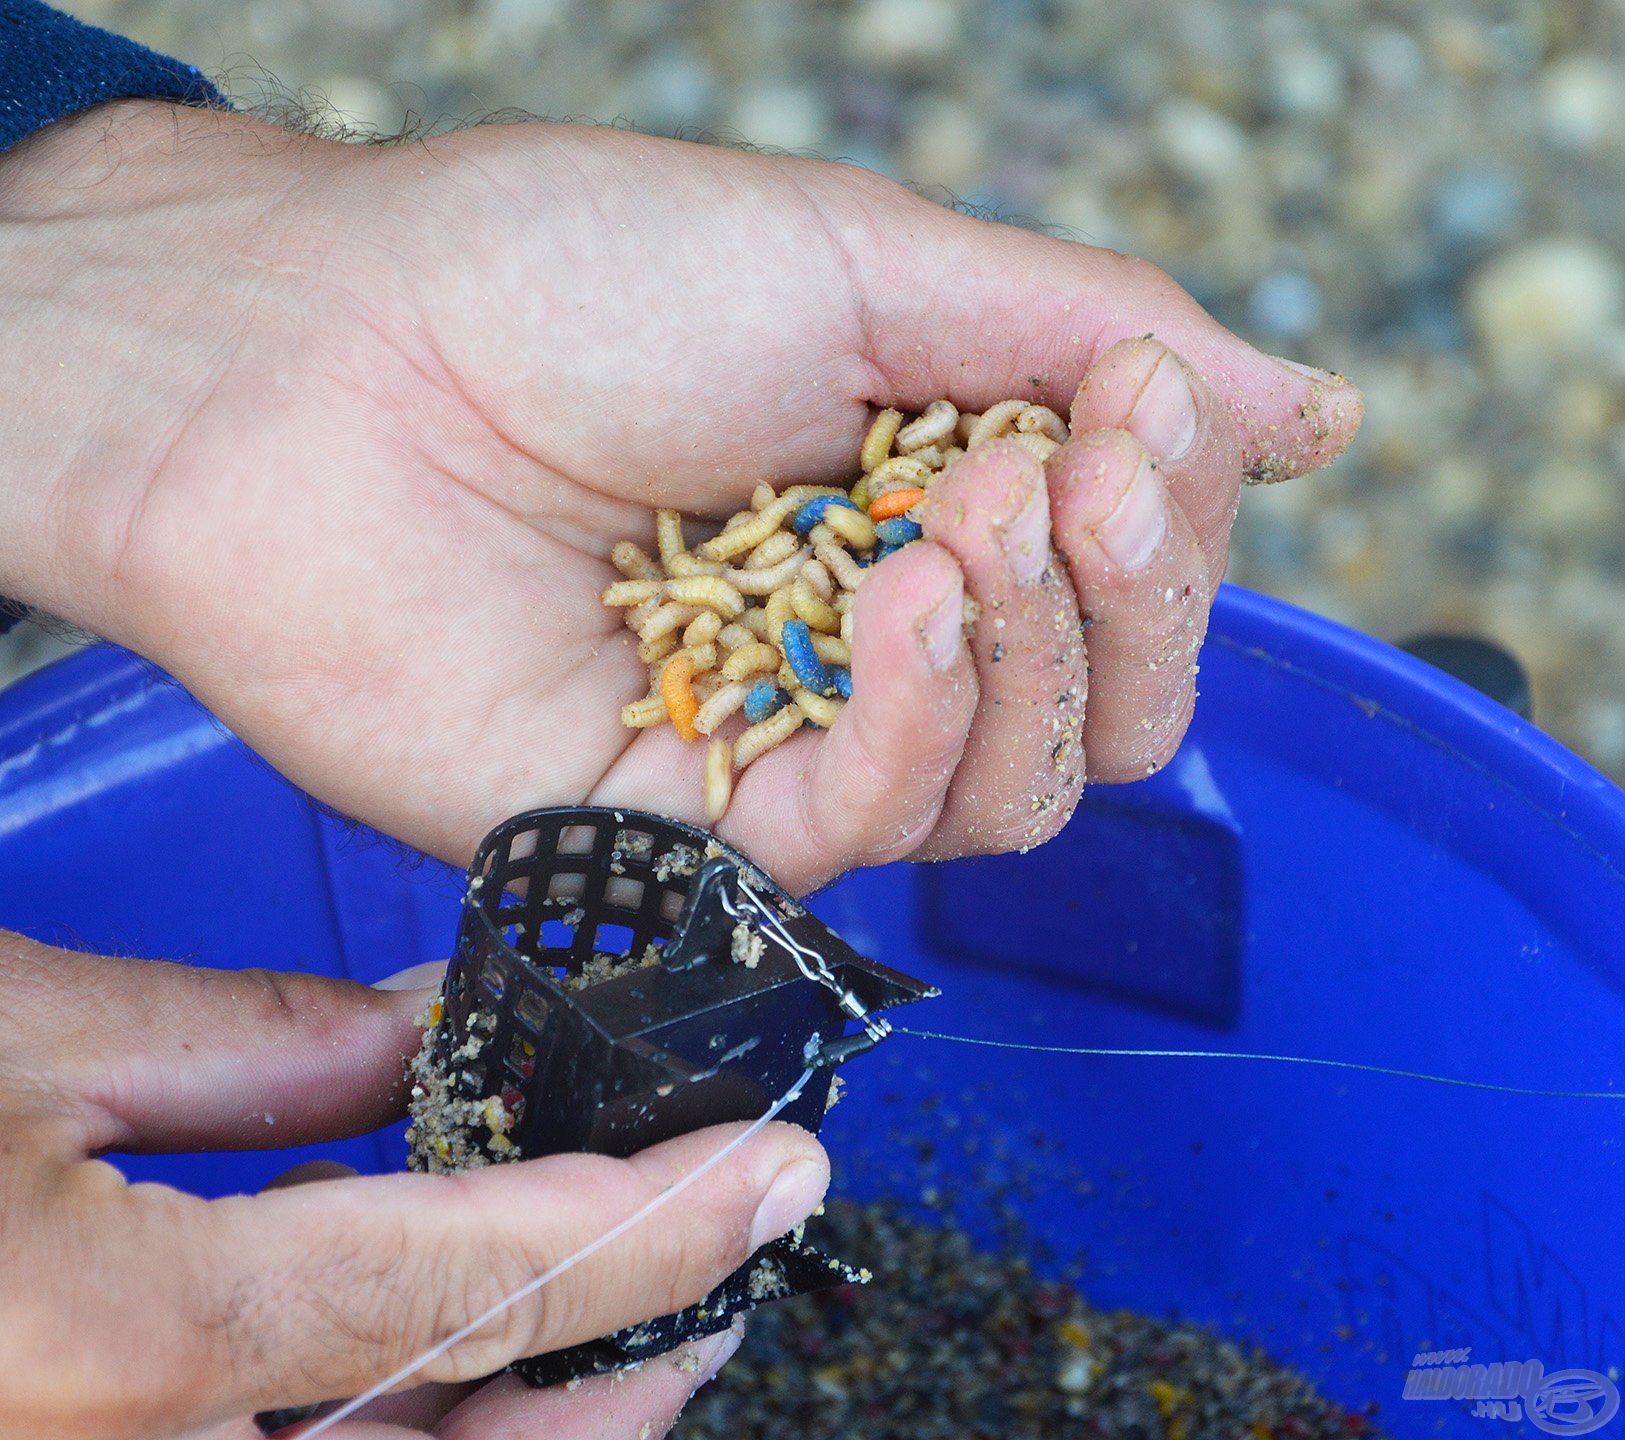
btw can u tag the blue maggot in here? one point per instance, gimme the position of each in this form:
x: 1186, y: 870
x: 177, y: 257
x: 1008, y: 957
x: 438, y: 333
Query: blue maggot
x: 898, y: 531
x: 798, y: 650
x: 813, y: 511
x: 763, y: 699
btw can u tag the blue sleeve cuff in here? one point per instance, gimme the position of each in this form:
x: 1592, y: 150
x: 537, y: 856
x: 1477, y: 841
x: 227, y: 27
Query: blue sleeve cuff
x: 53, y: 66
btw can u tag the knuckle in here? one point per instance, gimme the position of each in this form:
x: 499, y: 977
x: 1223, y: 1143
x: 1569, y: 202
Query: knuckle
x: 1150, y: 281
x: 285, y: 1000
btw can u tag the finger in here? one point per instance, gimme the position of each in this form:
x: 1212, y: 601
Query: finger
x: 932, y: 284
x: 153, y: 1055
x: 319, y: 1291
x: 308, y: 1173
x: 1141, y: 386
x: 1023, y: 765
x: 1142, y: 582
x: 872, y: 788
x: 641, y: 1404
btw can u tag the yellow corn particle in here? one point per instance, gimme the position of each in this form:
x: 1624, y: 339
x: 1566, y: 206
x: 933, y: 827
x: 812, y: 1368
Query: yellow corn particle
x: 765, y: 734
x: 669, y: 535
x: 756, y: 658
x: 719, y: 779
x: 994, y: 421
x: 672, y: 616
x: 818, y: 613
x: 853, y: 526
x: 641, y: 714
x: 703, y: 629
x: 653, y: 651
x: 878, y: 442
x: 820, y: 709
x: 711, y: 591
x: 775, y: 548
x: 631, y: 560
x: 631, y: 592
x: 831, y: 649
x: 724, y: 701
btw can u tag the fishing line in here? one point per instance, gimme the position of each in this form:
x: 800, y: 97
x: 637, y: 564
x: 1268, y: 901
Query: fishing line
x: 530, y: 1287
x: 1273, y: 1059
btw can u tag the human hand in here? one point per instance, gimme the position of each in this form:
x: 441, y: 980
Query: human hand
x: 353, y: 431
x: 137, y: 1311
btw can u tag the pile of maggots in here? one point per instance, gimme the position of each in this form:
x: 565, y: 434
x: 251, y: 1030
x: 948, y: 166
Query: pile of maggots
x: 750, y: 632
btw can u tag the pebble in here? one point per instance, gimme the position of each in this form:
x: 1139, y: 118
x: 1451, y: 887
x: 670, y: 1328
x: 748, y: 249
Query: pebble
x: 782, y: 115
x: 902, y: 34
x: 1197, y: 142
x: 1285, y: 304
x: 1476, y: 206
x: 1545, y: 301
x: 1582, y: 102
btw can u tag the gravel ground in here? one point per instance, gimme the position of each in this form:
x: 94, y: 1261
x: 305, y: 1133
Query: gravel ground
x: 1421, y: 196
x: 952, y: 1342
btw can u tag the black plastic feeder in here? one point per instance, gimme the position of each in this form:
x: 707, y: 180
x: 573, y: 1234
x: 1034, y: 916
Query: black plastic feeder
x: 629, y: 978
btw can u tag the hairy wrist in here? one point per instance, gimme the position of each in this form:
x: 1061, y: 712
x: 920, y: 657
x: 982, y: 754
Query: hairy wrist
x: 136, y: 240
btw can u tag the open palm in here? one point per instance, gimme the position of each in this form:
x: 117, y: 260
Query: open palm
x: 425, y: 390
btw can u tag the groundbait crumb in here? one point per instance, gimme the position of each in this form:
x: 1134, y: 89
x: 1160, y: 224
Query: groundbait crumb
x: 954, y: 1342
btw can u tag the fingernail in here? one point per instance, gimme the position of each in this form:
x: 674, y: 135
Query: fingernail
x: 1131, y: 533
x: 942, y: 632
x: 715, y: 1351
x: 414, y: 977
x: 1323, y: 377
x: 1164, y: 417
x: 793, y: 1196
x: 1026, y: 538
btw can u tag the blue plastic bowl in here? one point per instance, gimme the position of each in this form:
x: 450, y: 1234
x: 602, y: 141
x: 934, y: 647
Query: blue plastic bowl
x: 1354, y: 857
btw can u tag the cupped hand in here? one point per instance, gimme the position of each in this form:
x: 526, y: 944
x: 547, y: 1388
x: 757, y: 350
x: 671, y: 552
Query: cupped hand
x: 343, y: 437
x: 137, y: 1311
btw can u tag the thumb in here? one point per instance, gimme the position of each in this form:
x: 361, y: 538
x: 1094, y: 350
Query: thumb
x: 977, y: 311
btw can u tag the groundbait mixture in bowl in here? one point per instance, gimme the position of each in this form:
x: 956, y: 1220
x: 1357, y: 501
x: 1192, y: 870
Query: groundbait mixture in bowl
x: 953, y: 1342
x: 750, y: 632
